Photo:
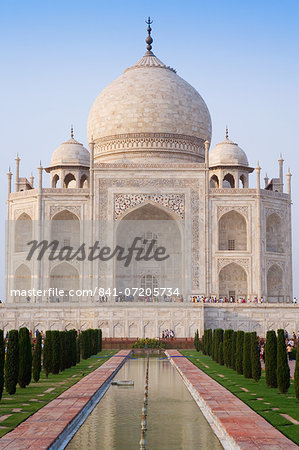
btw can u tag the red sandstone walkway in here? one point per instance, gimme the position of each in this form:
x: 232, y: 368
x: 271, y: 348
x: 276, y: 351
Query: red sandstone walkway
x: 42, y: 428
x: 245, y: 427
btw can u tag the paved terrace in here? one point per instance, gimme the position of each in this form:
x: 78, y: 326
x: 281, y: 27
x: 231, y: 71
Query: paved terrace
x: 42, y: 429
x: 236, y: 425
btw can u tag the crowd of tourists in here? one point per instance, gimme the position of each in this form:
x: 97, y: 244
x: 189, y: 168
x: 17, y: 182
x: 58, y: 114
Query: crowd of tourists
x: 291, y: 344
x: 168, y: 334
x: 150, y: 299
x: 202, y: 299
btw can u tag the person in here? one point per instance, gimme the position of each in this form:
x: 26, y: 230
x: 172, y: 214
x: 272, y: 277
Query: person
x: 286, y: 334
x: 289, y: 350
x: 262, y: 353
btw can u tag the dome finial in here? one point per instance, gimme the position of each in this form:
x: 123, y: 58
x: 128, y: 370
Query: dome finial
x: 226, y: 132
x: 149, y: 39
x: 72, y: 132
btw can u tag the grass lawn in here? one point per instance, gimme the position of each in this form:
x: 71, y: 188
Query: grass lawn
x: 27, y: 401
x: 267, y: 402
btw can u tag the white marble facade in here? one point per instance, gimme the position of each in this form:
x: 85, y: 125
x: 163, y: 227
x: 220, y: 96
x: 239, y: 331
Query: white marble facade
x: 149, y: 159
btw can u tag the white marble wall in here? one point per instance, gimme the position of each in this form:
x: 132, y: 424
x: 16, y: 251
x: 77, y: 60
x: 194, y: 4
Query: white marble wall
x: 148, y: 320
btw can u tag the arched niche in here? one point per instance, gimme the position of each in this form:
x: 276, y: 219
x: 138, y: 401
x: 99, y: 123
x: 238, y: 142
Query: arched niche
x: 233, y: 282
x: 65, y: 228
x: 84, y: 182
x: 243, y: 181
x: 23, y: 232
x: 55, y: 181
x: 69, y: 181
x: 275, y: 289
x: 228, y: 181
x: 64, y: 277
x: 214, y: 182
x: 274, y: 234
x: 153, y: 227
x: 22, y: 283
x: 232, y: 232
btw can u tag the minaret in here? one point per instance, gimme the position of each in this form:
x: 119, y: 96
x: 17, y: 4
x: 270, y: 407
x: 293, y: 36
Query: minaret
x: 258, y: 232
x: 280, y: 162
x: 266, y: 180
x: 258, y: 178
x: 207, y: 146
x: 289, y: 188
x: 40, y: 176
x: 9, y: 175
x: 32, y: 179
x: 40, y: 221
x: 91, y: 177
x: 17, y: 172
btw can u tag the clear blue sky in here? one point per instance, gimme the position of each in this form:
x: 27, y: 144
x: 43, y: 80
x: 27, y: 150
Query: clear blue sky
x: 56, y: 56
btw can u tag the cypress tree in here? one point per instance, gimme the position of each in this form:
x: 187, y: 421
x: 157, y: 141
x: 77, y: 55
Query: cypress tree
x: 84, y: 344
x: 78, y: 349
x: 217, y: 342
x: 68, y: 349
x: 55, y: 363
x: 247, y: 356
x: 283, y: 370
x: 25, y: 358
x: 73, y: 348
x: 209, y: 342
x: 234, y: 350
x: 227, y: 347
x: 271, y: 359
x: 255, y: 357
x: 203, y: 343
x: 96, y: 342
x: 196, y: 340
x: 89, y: 342
x: 12, y: 362
x: 214, y: 345
x: 37, y: 358
x: 220, y: 354
x: 218, y: 346
x: 101, y: 340
x: 2, y: 359
x: 47, y: 353
x: 62, y: 351
x: 296, y: 374
x: 239, y: 351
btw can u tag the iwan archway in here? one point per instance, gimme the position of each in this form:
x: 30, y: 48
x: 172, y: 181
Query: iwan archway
x: 156, y: 269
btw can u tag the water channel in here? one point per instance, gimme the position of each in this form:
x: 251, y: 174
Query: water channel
x: 174, y: 420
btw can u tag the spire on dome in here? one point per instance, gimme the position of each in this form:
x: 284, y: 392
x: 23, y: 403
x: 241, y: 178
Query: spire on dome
x: 149, y: 39
x: 226, y: 132
x: 72, y: 132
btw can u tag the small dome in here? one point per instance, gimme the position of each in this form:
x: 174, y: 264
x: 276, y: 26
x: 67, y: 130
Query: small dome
x: 70, y: 153
x: 227, y: 153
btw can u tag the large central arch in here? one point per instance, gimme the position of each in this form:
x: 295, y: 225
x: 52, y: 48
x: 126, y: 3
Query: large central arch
x: 154, y: 227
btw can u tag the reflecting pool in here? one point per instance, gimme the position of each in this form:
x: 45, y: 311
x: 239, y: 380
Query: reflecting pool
x: 174, y: 420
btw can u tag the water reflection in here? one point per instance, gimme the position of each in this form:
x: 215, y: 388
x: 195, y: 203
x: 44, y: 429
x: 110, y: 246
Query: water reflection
x: 174, y: 420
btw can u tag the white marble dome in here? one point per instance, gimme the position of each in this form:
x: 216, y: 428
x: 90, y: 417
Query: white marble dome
x: 227, y: 153
x: 70, y: 153
x: 149, y: 98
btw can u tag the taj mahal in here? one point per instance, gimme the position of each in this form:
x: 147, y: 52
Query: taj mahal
x: 150, y: 170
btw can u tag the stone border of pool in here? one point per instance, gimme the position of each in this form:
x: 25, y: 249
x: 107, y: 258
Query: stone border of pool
x: 235, y: 424
x: 54, y: 425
